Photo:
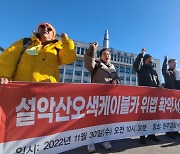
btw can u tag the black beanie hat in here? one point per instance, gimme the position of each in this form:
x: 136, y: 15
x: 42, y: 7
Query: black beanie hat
x: 146, y: 56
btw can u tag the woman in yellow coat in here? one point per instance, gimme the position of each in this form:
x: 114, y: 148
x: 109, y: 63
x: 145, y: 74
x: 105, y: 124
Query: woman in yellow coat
x: 39, y: 59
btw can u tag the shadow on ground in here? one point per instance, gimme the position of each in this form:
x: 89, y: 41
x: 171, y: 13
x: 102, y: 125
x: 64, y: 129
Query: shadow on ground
x: 125, y: 144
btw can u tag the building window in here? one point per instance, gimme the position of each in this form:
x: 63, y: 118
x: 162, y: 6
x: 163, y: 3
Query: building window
x: 133, y: 71
x: 61, y: 80
x: 127, y: 60
x: 118, y: 58
x: 114, y: 57
x: 121, y: 58
x: 82, y: 51
x: 79, y: 63
x: 98, y: 54
x: 133, y: 79
x: 78, y: 50
x: 68, y: 80
x: 69, y: 72
x: 122, y: 69
x: 121, y: 77
x: 154, y: 65
x: 71, y: 64
x: 128, y: 70
x: 117, y: 67
x: 86, y: 73
x: 77, y: 81
x: 130, y: 60
x: 61, y: 71
x: 111, y: 56
x: 78, y: 73
x: 133, y: 60
x: 127, y: 78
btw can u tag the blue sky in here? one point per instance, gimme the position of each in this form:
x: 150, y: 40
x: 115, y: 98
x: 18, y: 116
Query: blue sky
x: 132, y: 24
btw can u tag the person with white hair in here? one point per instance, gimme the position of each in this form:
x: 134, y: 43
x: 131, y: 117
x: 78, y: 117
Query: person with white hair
x: 171, y: 82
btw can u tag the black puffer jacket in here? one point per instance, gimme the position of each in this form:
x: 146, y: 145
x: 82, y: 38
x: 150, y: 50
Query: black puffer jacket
x: 147, y: 76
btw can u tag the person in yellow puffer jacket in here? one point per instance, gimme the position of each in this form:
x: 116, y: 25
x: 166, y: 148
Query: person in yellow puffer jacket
x: 40, y: 61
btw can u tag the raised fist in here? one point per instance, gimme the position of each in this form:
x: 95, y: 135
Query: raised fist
x: 143, y: 50
x: 94, y: 44
x: 64, y: 35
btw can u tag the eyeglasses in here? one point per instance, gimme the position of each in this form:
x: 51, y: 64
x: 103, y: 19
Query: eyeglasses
x: 44, y: 26
x: 106, y: 54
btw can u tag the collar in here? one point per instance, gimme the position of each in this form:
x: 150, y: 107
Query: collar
x: 173, y: 70
x: 148, y: 66
x: 107, y: 64
x: 35, y: 38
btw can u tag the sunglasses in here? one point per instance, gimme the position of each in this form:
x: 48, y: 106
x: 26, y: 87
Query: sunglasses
x: 43, y: 27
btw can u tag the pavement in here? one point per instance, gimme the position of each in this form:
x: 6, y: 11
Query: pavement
x: 132, y: 146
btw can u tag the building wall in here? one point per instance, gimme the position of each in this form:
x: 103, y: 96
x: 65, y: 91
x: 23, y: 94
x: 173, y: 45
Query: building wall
x: 123, y: 61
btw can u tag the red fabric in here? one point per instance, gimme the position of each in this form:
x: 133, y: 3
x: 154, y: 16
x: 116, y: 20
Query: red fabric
x: 12, y: 94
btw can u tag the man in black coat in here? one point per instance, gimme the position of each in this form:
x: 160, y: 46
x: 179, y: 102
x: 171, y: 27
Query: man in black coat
x: 169, y: 74
x: 170, y: 82
x: 147, y: 76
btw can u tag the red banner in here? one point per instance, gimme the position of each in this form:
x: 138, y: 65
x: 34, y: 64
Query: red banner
x: 32, y: 110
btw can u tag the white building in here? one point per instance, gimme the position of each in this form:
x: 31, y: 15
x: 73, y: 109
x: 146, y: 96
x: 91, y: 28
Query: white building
x: 123, y: 61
